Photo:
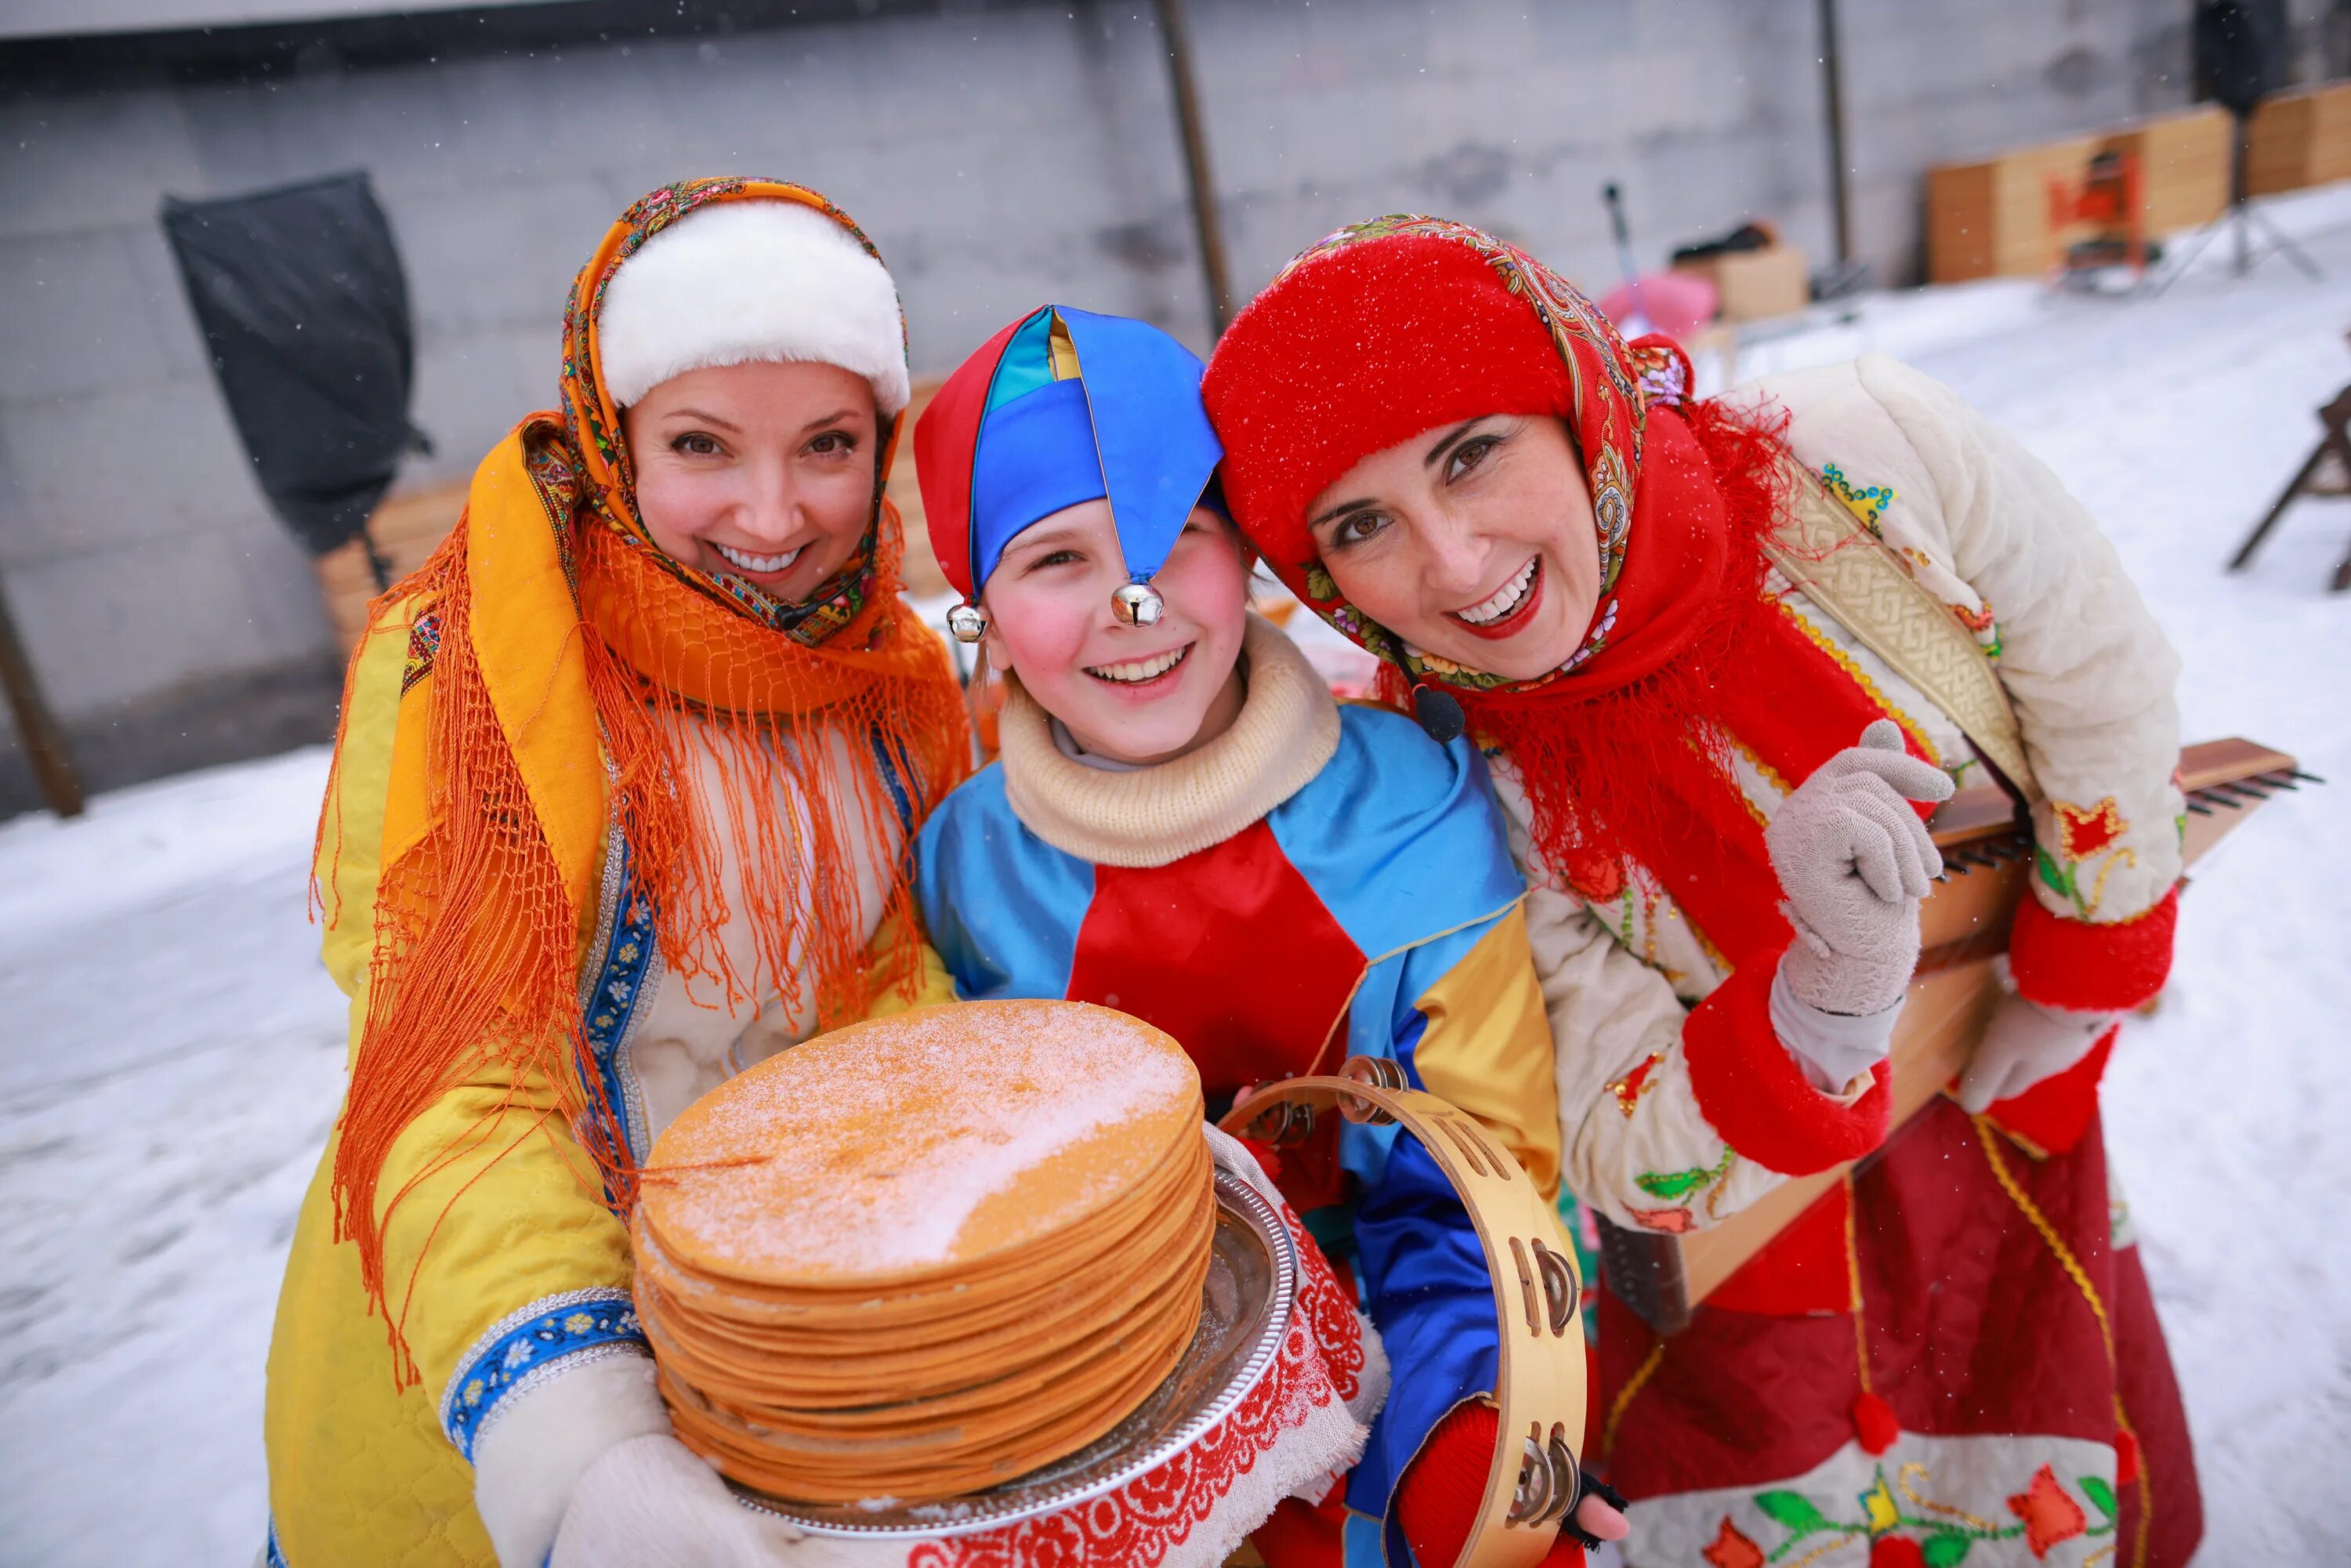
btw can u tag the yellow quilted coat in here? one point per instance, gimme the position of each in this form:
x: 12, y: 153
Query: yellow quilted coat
x: 361, y: 1472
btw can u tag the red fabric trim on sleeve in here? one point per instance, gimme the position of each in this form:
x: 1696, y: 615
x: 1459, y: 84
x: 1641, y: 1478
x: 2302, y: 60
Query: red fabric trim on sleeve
x: 1756, y: 1096
x: 1439, y: 1499
x: 2054, y: 1113
x: 2063, y: 962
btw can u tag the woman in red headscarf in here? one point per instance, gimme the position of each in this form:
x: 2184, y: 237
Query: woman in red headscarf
x: 1667, y: 620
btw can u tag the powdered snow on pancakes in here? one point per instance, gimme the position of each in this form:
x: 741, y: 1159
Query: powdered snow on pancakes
x: 919, y: 1143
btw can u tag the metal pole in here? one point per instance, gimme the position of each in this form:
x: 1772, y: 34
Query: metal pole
x: 36, y: 728
x: 1174, y: 29
x: 1832, y: 94
x: 2237, y: 196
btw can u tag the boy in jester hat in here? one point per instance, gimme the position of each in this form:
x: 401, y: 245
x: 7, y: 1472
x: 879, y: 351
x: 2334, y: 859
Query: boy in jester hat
x: 1183, y: 824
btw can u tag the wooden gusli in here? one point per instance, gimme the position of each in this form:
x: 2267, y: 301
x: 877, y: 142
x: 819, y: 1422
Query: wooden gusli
x: 1988, y: 856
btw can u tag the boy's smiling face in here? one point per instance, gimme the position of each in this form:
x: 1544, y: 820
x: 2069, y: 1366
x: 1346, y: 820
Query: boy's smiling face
x: 1132, y: 694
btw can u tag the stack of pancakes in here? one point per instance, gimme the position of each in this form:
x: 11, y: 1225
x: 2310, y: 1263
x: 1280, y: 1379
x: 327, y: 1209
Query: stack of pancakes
x: 919, y: 1257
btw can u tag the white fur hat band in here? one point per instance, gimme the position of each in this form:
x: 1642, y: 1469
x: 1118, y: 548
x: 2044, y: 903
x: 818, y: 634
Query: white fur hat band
x: 740, y: 282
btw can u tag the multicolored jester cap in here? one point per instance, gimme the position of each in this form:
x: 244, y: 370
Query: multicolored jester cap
x: 1062, y: 407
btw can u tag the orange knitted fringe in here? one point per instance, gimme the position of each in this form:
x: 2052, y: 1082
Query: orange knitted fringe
x: 475, y: 973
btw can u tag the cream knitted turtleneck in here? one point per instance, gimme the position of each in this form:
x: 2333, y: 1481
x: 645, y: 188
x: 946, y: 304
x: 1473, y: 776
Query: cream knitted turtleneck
x: 1286, y: 729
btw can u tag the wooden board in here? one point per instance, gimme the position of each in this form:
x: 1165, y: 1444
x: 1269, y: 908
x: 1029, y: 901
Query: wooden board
x: 1959, y: 222
x: 924, y: 577
x: 1964, y: 925
x: 406, y: 528
x: 2183, y: 162
x: 1990, y: 218
x: 2296, y: 139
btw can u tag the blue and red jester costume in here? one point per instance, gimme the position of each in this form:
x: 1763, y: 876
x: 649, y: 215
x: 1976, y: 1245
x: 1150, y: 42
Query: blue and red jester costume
x: 1309, y: 883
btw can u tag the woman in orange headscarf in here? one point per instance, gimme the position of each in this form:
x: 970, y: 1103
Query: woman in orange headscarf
x: 621, y: 802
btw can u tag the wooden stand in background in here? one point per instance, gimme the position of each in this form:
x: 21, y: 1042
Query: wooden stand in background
x: 1990, y: 218
x: 2326, y: 472
x: 37, y: 727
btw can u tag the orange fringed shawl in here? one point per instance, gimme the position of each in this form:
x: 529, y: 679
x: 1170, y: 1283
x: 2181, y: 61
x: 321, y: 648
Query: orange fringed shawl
x: 569, y: 654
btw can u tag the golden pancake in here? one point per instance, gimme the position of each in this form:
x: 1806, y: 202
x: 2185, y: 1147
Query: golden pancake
x: 922, y: 1255
x: 918, y: 1145
x: 861, y: 1367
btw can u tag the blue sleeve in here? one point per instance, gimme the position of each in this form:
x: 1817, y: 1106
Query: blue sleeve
x: 1429, y: 1293
x: 1420, y: 1265
x: 1002, y: 907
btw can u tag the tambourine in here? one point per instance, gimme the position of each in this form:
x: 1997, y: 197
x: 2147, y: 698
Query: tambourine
x: 1532, y: 1486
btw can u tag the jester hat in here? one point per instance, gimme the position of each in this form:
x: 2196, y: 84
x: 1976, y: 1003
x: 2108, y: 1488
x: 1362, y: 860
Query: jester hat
x: 1059, y: 408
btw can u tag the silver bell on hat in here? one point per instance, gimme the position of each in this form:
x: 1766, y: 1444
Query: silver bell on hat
x: 1137, y: 604
x: 968, y: 621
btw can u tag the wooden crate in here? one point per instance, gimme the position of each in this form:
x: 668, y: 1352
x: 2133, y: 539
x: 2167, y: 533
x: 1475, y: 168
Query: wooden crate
x: 2296, y: 139
x: 2183, y: 163
x: 406, y: 528
x: 1990, y: 218
x: 1755, y: 285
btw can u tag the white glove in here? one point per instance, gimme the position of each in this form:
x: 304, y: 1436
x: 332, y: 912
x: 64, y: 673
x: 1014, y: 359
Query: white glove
x: 1855, y: 861
x: 528, y: 1458
x: 1834, y: 1049
x: 650, y: 1503
x: 2024, y: 1043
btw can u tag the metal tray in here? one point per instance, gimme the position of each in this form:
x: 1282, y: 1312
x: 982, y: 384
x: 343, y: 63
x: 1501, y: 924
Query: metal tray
x: 1252, y: 1286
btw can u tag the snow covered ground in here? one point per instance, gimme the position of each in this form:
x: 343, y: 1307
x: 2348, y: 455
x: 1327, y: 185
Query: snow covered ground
x: 175, y: 1052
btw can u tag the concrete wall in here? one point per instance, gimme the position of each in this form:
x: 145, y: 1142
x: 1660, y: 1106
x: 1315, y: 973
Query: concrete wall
x: 998, y: 156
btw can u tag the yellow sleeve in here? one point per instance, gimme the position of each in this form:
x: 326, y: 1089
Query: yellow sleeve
x: 350, y: 827
x: 500, y: 1255
x: 906, y: 976
x: 502, y: 1242
x: 1487, y: 1047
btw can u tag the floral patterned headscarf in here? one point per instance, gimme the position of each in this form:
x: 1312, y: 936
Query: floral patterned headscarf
x: 1391, y: 329
x: 591, y: 421
x: 1299, y: 402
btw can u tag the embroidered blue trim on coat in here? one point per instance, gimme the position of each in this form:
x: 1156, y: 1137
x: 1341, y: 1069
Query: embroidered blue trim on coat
x: 271, y: 1556
x: 518, y: 1345
x: 895, y: 772
x: 610, y: 1005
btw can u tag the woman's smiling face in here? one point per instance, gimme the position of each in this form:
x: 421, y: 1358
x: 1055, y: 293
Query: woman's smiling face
x: 1132, y: 694
x: 1474, y: 543
x: 762, y: 471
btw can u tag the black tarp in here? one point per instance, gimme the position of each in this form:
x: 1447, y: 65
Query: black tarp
x: 299, y: 294
x: 2240, y: 49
